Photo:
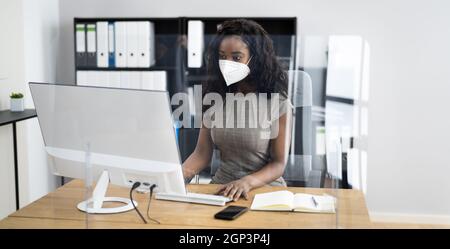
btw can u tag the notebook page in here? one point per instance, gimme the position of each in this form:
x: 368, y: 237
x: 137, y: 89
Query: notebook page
x: 304, y: 202
x: 278, y: 200
x: 326, y: 203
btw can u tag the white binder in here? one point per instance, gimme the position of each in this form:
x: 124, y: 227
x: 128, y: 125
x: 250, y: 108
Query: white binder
x: 120, y: 35
x: 147, y: 80
x: 92, y: 78
x: 81, y: 55
x: 114, y: 79
x: 124, y: 79
x: 91, y: 45
x: 102, y: 44
x: 154, y: 80
x: 82, y: 78
x: 146, y: 44
x: 135, y: 80
x: 102, y: 78
x: 160, y: 80
x: 130, y: 79
x: 81, y: 38
x: 132, y: 44
x: 195, y: 43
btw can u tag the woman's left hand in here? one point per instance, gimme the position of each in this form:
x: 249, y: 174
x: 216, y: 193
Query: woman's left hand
x: 236, y: 189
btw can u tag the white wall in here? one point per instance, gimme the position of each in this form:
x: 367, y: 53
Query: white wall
x: 41, y: 34
x: 408, y: 126
x: 11, y: 50
x: 11, y: 63
x: 28, y: 53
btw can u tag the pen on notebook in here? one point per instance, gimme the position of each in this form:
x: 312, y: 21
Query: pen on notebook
x: 314, y: 201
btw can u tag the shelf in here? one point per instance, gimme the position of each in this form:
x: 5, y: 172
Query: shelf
x: 171, y: 54
x: 9, y: 117
x: 163, y: 26
x: 273, y: 25
x: 156, y: 68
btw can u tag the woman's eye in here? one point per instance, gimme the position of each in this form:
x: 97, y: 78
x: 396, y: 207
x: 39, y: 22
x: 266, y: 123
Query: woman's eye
x: 236, y: 58
x: 222, y: 57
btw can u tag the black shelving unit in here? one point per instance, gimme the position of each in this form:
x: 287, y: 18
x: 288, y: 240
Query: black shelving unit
x: 171, y: 54
x: 7, y: 117
x: 167, y: 32
x: 283, y: 32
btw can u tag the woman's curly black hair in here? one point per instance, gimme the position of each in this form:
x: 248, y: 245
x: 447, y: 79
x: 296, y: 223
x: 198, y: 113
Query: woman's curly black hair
x: 265, y: 70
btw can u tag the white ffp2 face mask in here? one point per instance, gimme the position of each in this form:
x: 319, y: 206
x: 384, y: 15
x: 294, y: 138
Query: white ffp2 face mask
x: 233, y: 71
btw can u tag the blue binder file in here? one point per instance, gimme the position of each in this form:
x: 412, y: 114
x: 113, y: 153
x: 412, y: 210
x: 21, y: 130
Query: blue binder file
x: 112, y: 45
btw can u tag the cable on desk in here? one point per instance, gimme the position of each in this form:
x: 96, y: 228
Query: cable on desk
x: 136, y: 185
x: 148, y: 206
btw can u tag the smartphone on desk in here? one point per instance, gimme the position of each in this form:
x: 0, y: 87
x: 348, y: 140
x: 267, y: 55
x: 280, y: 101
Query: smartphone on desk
x: 230, y: 212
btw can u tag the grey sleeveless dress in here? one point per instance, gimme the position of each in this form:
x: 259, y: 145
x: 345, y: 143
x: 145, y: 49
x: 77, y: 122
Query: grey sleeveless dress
x: 244, y: 147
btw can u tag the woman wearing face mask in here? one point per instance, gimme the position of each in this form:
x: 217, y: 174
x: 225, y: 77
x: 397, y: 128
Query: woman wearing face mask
x: 242, y: 62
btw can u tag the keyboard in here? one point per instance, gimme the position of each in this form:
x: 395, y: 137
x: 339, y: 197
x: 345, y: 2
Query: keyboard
x: 208, y: 199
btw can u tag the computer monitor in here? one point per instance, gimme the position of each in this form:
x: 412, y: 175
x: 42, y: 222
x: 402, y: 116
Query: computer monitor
x: 109, y: 134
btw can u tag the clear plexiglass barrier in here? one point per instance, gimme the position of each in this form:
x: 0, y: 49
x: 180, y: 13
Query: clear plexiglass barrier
x: 299, y: 149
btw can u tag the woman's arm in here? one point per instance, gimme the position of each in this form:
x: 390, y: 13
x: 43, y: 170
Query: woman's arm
x: 201, y: 156
x: 271, y: 171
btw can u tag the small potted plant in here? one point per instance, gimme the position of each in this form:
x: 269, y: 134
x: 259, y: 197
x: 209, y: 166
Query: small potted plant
x: 16, y: 102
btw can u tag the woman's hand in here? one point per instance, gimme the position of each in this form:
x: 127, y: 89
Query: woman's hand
x: 187, y: 174
x: 236, y: 189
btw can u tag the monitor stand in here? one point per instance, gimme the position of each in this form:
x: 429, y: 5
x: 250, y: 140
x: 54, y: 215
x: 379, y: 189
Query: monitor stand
x: 94, y: 204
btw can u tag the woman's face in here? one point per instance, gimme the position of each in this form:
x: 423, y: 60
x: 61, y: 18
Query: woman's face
x: 233, y: 48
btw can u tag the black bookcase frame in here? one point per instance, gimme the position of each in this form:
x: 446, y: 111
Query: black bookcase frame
x: 178, y: 74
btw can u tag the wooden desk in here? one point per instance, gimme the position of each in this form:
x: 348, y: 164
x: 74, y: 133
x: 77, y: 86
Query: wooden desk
x: 58, y: 210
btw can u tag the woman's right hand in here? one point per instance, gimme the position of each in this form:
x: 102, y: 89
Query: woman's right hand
x: 188, y: 174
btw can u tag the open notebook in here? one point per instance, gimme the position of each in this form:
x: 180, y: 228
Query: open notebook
x: 287, y: 201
